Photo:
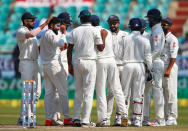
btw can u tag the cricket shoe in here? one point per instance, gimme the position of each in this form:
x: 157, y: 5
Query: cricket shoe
x: 48, y: 123
x: 77, y: 123
x: 171, y: 122
x: 91, y: 124
x: 157, y: 123
x: 124, y: 120
x: 68, y: 122
x: 20, y: 122
x: 137, y: 123
x: 117, y: 121
x: 145, y: 123
x: 57, y: 122
x: 102, y: 123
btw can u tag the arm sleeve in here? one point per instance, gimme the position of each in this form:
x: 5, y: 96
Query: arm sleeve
x: 97, y: 37
x: 147, y: 54
x: 174, y: 48
x: 20, y: 35
x: 54, y: 39
x: 157, y: 45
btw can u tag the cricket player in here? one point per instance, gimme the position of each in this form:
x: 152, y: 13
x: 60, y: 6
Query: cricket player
x: 54, y: 74
x: 117, y: 37
x: 85, y: 39
x: 157, y: 45
x: 27, y: 43
x: 170, y: 73
x: 136, y: 53
x: 107, y: 72
x: 56, y: 119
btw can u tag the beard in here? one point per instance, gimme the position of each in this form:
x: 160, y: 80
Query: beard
x: 30, y: 26
x: 113, y: 29
x: 55, y: 31
x: 165, y: 30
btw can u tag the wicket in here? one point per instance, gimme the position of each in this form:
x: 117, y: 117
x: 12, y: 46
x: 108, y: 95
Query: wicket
x: 31, y: 99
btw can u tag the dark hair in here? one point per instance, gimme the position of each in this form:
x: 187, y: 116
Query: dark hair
x: 85, y: 19
x: 54, y: 21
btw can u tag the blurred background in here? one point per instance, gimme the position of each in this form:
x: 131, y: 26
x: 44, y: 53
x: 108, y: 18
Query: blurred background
x: 12, y: 10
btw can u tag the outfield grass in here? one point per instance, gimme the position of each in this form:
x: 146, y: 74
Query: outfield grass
x: 9, y: 117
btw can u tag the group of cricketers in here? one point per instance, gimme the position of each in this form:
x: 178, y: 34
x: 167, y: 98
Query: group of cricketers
x: 121, y: 65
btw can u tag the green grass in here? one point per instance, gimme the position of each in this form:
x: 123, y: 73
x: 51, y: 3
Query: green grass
x: 9, y: 116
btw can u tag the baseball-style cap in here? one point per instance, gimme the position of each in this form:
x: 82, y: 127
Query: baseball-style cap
x: 113, y: 18
x: 28, y: 15
x: 135, y: 23
x: 95, y: 19
x: 155, y: 13
x: 65, y: 17
x: 84, y: 13
x: 167, y: 21
x: 143, y: 22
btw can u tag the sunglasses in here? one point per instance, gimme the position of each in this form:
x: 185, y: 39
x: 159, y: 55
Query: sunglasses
x: 165, y: 24
x: 31, y: 20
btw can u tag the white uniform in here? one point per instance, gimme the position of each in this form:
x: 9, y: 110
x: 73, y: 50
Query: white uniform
x: 28, y: 65
x: 136, y: 52
x: 170, y: 83
x: 84, y: 38
x: 54, y: 73
x: 116, y: 41
x: 157, y: 44
x: 107, y: 72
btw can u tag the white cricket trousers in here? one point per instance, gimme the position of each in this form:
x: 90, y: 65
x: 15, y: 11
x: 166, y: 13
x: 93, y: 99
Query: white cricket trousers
x: 110, y: 95
x: 30, y: 71
x: 134, y: 80
x: 85, y: 77
x: 107, y: 72
x: 170, y: 93
x: 158, y: 66
x: 55, y: 80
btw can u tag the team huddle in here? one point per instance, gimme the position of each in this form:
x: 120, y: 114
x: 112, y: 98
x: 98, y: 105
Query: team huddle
x: 123, y: 66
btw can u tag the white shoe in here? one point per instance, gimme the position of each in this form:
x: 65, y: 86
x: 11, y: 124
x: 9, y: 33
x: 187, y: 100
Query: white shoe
x: 108, y: 122
x: 137, y: 123
x: 102, y: 123
x: 156, y: 123
x: 91, y: 124
x: 171, y: 122
x: 117, y: 121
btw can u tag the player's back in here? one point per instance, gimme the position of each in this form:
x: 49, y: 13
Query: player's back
x: 135, y: 48
x: 84, y: 40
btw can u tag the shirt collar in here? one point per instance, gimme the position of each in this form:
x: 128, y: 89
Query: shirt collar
x: 136, y: 32
x: 86, y: 24
x: 156, y: 26
x: 168, y: 34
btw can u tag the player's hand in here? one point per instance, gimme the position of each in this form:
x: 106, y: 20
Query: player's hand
x: 64, y: 47
x: 71, y: 70
x: 63, y: 29
x: 167, y: 73
x: 49, y: 19
x: 104, y: 33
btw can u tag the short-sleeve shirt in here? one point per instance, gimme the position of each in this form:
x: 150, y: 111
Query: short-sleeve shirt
x: 85, y: 38
x: 28, y: 47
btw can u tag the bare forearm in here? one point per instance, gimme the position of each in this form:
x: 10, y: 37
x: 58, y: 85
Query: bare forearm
x: 172, y: 61
x: 69, y: 54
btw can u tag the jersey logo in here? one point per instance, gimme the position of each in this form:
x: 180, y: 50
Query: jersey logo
x: 156, y: 38
x: 174, y: 44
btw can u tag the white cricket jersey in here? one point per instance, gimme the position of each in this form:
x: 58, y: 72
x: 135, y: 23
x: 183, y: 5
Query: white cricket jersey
x: 117, y: 47
x: 136, y: 49
x: 157, y: 41
x: 49, y: 46
x: 64, y: 52
x: 28, y: 47
x: 170, y: 48
x: 85, y: 38
x: 108, y: 50
x: 147, y: 35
